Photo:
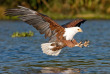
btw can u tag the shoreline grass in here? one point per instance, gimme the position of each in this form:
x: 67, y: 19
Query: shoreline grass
x: 60, y: 16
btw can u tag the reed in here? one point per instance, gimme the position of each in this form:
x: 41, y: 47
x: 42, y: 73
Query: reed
x: 62, y: 9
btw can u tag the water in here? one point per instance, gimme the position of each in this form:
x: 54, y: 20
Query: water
x: 24, y: 55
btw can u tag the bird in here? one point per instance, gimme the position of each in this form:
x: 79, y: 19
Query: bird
x: 60, y: 36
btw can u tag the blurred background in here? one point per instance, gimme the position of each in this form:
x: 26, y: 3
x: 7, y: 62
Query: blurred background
x: 62, y: 9
x: 20, y: 43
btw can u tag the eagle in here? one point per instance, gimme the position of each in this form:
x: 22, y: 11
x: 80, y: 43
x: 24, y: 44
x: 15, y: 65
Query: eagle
x: 59, y: 36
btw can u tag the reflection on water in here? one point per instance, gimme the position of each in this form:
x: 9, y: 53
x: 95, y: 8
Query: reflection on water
x: 24, y: 55
x: 60, y: 70
x: 54, y: 70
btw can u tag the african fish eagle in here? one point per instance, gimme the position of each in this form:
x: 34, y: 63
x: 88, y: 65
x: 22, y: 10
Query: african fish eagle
x: 59, y: 36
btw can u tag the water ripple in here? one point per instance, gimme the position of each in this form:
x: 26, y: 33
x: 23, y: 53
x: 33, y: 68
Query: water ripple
x: 24, y: 55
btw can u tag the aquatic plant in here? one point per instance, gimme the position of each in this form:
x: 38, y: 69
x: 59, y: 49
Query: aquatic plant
x: 23, y: 34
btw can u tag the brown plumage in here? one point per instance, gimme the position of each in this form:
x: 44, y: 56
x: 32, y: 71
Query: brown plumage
x: 47, y: 26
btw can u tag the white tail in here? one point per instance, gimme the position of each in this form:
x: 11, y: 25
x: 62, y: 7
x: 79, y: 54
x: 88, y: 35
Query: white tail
x: 47, y: 49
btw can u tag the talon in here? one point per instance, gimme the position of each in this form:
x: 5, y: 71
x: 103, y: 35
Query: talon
x: 80, y: 44
x: 86, y: 43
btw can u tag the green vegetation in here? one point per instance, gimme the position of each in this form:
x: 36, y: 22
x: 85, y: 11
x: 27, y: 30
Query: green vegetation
x: 23, y: 34
x: 62, y: 9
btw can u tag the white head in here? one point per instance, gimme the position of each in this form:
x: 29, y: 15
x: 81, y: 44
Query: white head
x: 70, y: 32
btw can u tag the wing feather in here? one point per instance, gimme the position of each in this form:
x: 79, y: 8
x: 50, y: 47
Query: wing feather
x: 44, y: 30
x: 41, y: 22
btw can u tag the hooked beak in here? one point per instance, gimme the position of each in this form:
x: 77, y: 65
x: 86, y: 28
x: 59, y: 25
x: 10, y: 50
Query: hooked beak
x: 80, y: 30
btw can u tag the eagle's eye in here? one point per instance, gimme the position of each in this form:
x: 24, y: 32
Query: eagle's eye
x: 78, y: 29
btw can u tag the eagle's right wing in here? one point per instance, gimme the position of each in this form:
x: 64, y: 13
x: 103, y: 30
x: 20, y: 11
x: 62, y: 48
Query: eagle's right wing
x: 41, y: 22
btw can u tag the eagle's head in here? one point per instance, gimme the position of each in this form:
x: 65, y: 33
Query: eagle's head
x: 70, y: 32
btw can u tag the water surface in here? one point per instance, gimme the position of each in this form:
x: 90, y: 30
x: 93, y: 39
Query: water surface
x: 24, y: 56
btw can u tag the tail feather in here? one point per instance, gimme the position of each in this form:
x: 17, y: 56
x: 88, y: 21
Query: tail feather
x: 47, y: 49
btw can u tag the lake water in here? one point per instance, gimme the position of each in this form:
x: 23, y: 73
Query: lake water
x: 23, y: 55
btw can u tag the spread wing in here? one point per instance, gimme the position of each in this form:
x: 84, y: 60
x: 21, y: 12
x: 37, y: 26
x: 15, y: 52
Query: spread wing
x: 74, y: 23
x: 42, y: 23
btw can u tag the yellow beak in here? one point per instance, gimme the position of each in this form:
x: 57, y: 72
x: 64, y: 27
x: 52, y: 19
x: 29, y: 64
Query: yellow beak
x: 80, y: 30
